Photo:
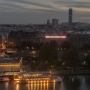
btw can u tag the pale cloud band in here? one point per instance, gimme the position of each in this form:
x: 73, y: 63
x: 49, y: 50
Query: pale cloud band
x: 56, y: 5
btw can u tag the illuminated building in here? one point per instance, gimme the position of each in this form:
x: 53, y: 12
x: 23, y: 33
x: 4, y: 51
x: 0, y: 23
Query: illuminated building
x: 9, y: 65
x: 2, y: 54
x: 55, y: 37
x: 58, y: 38
x: 11, y: 51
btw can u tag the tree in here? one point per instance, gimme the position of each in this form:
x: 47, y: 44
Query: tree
x: 23, y: 44
x: 66, y: 45
x: 86, y: 46
x: 41, y: 44
x: 53, y: 43
x: 72, y: 58
x: 36, y: 45
x: 46, y: 44
x: 42, y: 66
x: 88, y: 60
x: 48, y: 55
x: 30, y: 44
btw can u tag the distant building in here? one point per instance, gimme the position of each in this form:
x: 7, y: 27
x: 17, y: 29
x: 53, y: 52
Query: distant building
x: 19, y: 36
x: 48, y: 22
x: 78, y: 40
x: 41, y: 26
x: 1, y: 38
x: 55, y: 22
x: 70, y: 16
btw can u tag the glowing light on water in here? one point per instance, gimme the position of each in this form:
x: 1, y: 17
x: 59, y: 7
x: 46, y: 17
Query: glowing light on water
x: 28, y: 86
x: 31, y: 86
x: 54, y: 86
x: 17, y: 86
x: 38, y: 86
x: 47, y: 86
x: 44, y: 86
x: 6, y: 85
x: 41, y: 86
x: 34, y: 86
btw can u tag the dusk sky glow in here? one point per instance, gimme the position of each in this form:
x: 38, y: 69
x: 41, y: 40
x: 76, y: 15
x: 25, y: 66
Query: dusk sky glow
x: 38, y: 11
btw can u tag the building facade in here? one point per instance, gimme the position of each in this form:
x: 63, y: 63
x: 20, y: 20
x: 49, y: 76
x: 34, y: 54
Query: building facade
x: 78, y: 40
x: 19, y: 36
x: 9, y: 66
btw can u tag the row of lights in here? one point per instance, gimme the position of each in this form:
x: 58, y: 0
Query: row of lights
x: 36, y: 81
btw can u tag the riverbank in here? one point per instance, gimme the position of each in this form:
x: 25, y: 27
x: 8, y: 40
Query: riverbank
x: 68, y: 72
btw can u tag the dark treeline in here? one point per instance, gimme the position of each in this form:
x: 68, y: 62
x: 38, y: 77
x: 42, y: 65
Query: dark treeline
x: 48, y: 57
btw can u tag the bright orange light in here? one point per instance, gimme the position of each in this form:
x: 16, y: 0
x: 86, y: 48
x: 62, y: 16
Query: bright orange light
x: 17, y: 81
x: 55, y: 36
x: 54, y: 81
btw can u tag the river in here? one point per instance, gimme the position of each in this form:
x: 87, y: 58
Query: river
x: 68, y: 83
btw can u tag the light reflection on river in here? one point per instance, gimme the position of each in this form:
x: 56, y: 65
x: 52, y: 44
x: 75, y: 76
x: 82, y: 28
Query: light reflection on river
x: 68, y: 83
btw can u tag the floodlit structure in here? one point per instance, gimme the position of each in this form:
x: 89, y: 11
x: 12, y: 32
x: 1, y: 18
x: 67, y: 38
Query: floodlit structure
x: 57, y: 38
x: 9, y: 65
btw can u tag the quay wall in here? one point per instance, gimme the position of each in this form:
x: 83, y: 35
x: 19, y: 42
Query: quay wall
x: 54, y: 72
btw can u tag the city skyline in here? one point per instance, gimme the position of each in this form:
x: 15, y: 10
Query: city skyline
x: 38, y: 11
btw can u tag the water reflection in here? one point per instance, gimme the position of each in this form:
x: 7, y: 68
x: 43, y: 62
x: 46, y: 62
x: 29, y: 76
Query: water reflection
x: 41, y: 86
x: 35, y: 86
x: 87, y: 79
x: 54, y: 86
x: 68, y: 83
x: 76, y: 83
x: 6, y: 85
x: 17, y: 86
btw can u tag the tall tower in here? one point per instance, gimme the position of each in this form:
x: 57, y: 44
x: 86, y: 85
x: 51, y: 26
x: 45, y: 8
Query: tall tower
x: 70, y: 16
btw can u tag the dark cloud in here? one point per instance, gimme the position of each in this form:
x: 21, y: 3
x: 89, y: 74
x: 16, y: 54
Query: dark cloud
x: 79, y: 4
x: 30, y: 3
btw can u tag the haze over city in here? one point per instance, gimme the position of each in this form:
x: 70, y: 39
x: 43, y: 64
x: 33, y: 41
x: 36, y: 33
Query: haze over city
x: 38, y: 11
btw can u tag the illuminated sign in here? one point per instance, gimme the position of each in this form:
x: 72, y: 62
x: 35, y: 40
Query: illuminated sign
x: 55, y: 36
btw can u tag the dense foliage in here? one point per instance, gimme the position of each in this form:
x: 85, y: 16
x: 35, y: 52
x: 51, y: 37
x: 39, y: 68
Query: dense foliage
x: 49, y: 58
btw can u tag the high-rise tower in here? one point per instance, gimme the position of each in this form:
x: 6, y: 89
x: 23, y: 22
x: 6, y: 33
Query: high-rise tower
x: 70, y: 16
